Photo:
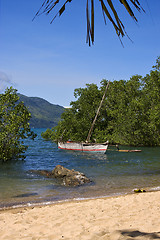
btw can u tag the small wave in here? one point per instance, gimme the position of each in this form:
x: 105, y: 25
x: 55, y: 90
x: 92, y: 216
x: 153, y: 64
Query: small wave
x: 155, y: 188
x: 45, y: 203
x: 29, y: 204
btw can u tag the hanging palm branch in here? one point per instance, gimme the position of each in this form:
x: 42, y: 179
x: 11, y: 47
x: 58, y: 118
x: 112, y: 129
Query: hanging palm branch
x: 108, y: 10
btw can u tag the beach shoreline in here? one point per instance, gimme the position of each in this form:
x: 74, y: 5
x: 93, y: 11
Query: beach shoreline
x: 31, y: 204
x: 130, y: 216
x: 45, y: 202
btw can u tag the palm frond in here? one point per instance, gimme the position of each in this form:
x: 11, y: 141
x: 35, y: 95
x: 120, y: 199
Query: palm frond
x: 125, y: 3
x: 90, y: 23
x: 92, y: 20
x: 108, y: 10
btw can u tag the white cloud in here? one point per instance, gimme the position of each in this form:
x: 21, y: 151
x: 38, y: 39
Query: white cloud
x: 4, y: 81
x: 67, y: 106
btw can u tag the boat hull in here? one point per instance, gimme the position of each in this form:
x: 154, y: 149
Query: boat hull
x: 130, y: 150
x: 84, y: 147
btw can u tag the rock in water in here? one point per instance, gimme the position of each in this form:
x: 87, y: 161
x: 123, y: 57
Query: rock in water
x: 60, y: 171
x: 43, y: 173
x: 70, y: 177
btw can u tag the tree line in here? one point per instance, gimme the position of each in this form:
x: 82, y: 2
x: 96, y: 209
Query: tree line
x: 14, y: 126
x: 130, y: 113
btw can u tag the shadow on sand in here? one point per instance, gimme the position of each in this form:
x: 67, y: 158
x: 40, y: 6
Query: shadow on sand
x: 134, y: 234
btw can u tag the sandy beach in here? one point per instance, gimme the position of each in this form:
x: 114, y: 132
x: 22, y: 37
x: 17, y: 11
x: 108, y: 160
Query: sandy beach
x: 134, y: 216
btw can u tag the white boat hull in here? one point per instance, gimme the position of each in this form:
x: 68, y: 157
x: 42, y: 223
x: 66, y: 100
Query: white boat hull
x: 84, y: 147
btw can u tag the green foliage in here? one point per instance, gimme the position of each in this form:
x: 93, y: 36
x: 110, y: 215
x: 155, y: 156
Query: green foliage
x: 76, y: 121
x: 130, y: 114
x: 152, y: 100
x: 14, y: 126
x: 48, y: 134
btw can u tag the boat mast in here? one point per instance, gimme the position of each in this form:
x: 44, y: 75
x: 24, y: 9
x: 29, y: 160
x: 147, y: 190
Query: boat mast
x: 91, y: 129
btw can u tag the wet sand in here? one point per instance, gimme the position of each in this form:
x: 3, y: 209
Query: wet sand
x: 135, y: 216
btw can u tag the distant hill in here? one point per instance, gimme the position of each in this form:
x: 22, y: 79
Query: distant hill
x: 44, y: 114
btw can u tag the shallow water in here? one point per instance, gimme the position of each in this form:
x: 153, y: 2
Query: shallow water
x: 111, y: 173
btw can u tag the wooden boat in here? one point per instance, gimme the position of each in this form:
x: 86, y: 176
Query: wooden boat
x: 87, y: 146
x: 84, y: 147
x: 130, y: 150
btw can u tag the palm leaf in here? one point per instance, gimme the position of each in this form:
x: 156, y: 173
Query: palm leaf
x: 88, y: 24
x: 61, y: 10
x: 108, y: 11
x: 105, y: 10
x: 119, y: 23
x: 125, y: 3
x: 92, y: 20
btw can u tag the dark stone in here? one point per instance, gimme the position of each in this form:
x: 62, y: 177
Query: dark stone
x: 68, y: 177
x: 60, y: 171
x: 43, y: 173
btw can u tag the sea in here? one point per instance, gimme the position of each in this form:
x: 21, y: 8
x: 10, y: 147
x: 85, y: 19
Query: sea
x: 113, y: 173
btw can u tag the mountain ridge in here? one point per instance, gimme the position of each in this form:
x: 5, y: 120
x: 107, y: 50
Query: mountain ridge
x: 44, y: 114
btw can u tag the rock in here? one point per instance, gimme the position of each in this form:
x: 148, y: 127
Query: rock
x: 60, y: 171
x: 75, y: 180
x: 68, y: 177
x: 43, y: 172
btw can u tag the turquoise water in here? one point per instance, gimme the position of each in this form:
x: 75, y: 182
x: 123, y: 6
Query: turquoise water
x: 111, y: 173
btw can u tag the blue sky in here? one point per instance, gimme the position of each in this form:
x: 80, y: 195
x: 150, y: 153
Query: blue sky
x: 51, y: 60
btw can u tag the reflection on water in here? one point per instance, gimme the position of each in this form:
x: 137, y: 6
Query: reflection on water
x: 111, y: 173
